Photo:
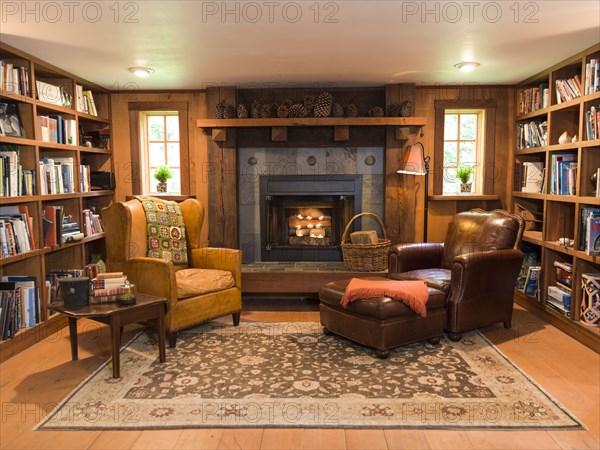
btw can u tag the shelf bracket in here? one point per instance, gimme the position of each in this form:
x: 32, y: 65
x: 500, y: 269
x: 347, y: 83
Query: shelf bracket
x: 219, y: 134
x: 279, y: 134
x: 341, y: 133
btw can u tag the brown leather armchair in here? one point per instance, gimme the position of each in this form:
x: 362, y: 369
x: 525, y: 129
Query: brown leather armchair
x: 476, y: 266
x: 209, y: 286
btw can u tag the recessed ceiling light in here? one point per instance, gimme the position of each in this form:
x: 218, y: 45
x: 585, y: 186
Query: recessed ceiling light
x: 142, y: 72
x: 467, y: 66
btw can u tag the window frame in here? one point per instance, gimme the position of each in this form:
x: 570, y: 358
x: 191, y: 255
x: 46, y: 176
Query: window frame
x: 487, y: 172
x: 135, y: 111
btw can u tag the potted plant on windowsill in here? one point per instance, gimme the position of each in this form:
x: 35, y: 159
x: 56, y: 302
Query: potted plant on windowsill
x: 464, y: 173
x: 161, y: 175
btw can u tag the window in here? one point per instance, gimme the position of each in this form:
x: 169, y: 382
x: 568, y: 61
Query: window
x: 463, y: 146
x: 160, y: 146
x: 464, y: 135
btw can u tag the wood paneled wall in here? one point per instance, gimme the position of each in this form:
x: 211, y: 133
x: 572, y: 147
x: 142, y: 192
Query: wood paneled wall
x: 126, y: 170
x: 440, y: 212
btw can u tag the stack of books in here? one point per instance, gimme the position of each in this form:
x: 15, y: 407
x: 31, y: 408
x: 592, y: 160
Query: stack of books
x: 70, y: 230
x: 559, y: 296
x: 107, y: 286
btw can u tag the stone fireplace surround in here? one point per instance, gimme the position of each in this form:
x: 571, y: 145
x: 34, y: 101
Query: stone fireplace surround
x: 252, y: 163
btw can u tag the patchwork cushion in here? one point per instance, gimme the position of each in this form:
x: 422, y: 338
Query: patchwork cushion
x: 193, y: 282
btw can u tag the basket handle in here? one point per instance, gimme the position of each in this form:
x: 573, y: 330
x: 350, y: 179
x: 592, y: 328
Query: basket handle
x: 371, y: 215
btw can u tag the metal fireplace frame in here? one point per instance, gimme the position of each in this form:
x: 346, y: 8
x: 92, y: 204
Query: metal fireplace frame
x: 305, y: 185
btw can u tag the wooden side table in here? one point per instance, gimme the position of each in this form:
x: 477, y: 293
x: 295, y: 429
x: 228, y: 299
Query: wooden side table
x: 146, y: 308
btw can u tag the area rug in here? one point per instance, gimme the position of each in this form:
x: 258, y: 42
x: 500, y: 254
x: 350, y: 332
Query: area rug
x: 292, y: 375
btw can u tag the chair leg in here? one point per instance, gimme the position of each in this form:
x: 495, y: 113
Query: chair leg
x: 507, y: 324
x: 236, y: 318
x: 382, y: 354
x: 454, y: 336
x: 172, y: 338
x: 327, y: 331
x: 434, y: 340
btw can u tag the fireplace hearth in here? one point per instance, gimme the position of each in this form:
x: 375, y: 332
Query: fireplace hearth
x: 302, y: 217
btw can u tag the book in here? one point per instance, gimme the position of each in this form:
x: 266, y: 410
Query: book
x: 10, y: 120
x: 592, y: 246
x: 532, y: 281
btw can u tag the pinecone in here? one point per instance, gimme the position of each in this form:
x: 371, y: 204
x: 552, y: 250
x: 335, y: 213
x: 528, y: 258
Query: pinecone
x: 406, y: 109
x: 287, y: 102
x: 242, y: 111
x: 309, y: 102
x: 337, y: 110
x: 394, y: 109
x: 283, y: 111
x: 323, y: 104
x: 351, y: 110
x: 255, y: 110
x: 220, y: 110
x: 266, y: 111
x: 298, y: 110
x: 229, y: 112
x: 376, y: 111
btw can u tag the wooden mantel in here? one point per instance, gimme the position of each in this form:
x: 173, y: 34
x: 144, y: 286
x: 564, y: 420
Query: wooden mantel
x: 341, y: 125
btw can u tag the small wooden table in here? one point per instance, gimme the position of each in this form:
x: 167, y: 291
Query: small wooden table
x: 146, y: 308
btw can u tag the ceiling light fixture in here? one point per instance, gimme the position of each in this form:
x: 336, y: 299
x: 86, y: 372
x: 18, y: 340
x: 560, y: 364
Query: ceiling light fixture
x: 467, y: 66
x: 142, y: 72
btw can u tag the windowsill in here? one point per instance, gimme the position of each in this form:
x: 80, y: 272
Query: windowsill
x: 163, y: 196
x: 463, y: 197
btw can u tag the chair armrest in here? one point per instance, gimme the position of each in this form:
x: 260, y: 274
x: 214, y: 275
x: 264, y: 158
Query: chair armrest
x: 219, y: 258
x: 490, y: 275
x: 407, y: 257
x: 153, y: 276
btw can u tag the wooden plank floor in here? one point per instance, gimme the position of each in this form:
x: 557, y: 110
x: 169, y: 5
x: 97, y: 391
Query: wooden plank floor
x: 32, y: 382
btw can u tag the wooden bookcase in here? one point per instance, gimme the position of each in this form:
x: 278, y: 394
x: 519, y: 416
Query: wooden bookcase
x: 31, y: 148
x: 559, y: 216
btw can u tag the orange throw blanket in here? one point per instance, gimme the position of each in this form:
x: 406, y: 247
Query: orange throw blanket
x: 413, y: 294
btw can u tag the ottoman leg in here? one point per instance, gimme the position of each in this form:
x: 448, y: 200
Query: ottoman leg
x: 454, y: 336
x: 434, y: 340
x: 327, y: 331
x: 382, y: 354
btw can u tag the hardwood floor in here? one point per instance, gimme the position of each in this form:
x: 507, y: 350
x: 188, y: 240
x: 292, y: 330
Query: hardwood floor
x: 32, y: 382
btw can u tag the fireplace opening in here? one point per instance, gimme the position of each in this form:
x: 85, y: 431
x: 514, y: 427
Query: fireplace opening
x: 303, y: 217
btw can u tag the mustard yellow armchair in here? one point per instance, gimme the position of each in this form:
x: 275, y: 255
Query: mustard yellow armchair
x: 209, y: 286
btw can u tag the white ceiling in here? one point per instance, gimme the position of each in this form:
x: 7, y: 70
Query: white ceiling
x: 192, y: 44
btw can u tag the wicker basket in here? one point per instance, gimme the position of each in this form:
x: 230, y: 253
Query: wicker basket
x: 365, y: 257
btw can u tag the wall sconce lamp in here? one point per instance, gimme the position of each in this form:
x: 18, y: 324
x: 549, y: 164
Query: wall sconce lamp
x: 414, y: 162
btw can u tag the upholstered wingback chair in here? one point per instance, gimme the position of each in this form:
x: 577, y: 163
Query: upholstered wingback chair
x: 476, y: 266
x: 207, y: 287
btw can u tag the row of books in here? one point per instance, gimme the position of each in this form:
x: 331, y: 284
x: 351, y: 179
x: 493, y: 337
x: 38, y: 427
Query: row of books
x: 592, y: 122
x: 20, y: 305
x: 57, y: 175
x: 85, y: 101
x: 589, y: 236
x: 16, y: 181
x: 568, y: 89
x: 16, y: 227
x: 563, y: 174
x: 532, y: 176
x: 14, y: 79
x: 534, y: 98
x: 592, y: 76
x: 531, y: 135
x: 92, y: 224
x: 106, y: 287
x: 54, y: 128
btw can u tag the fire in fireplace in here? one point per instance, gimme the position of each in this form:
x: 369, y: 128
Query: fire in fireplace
x: 302, y: 217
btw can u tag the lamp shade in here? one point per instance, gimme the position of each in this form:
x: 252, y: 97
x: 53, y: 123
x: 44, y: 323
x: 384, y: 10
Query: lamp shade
x: 413, y: 160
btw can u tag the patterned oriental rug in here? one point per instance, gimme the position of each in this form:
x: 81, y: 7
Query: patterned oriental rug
x: 292, y: 375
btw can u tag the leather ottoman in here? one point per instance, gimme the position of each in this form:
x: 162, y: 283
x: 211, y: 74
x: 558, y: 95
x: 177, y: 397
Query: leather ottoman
x: 381, y: 323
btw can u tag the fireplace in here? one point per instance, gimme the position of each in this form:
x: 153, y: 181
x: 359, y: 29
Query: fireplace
x: 302, y: 217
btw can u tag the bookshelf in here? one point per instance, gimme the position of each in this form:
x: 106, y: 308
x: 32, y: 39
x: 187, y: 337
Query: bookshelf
x: 566, y: 190
x: 88, y: 143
